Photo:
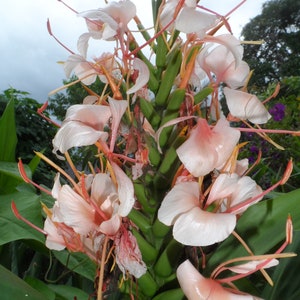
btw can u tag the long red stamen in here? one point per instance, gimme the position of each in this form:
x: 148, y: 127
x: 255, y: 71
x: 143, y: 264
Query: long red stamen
x: 20, y: 217
x: 27, y: 180
x: 57, y: 40
x: 40, y: 112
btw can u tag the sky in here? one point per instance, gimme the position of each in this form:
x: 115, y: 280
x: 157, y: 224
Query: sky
x: 30, y: 56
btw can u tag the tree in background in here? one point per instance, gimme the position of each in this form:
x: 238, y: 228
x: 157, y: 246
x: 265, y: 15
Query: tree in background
x: 33, y: 132
x: 279, y: 56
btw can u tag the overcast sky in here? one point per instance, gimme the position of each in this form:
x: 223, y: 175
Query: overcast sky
x: 29, y: 55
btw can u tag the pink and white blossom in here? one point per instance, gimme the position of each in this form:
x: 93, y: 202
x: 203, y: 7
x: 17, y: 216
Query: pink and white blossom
x: 106, y: 23
x: 224, y: 61
x: 192, y: 225
x: 84, y: 124
x: 88, y: 71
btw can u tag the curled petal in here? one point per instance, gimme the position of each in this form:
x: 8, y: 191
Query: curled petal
x: 201, y: 228
x: 75, y: 134
x: 231, y: 43
x: 143, y: 75
x: 224, y: 186
x: 54, y: 240
x: 252, y: 265
x: 125, y: 191
x: 183, y: 197
x: 111, y: 226
x: 246, y: 106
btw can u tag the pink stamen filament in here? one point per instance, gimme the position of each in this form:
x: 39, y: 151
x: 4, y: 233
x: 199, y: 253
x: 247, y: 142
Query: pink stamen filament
x: 57, y: 40
x: 20, y: 217
x: 40, y: 112
x: 27, y: 180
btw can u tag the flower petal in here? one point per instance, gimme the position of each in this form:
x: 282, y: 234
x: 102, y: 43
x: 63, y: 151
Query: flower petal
x: 125, y: 191
x: 190, y: 20
x: 201, y: 228
x: 102, y: 188
x: 197, y: 153
x: 111, y: 226
x: 74, y: 211
x: 75, y: 134
x: 143, y: 75
x: 246, y: 106
x: 54, y: 241
x: 182, y: 197
x: 195, y: 286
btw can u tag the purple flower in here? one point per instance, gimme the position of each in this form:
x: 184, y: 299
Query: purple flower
x: 277, y: 111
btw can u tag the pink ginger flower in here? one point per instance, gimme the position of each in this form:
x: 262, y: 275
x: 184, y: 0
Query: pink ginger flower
x: 246, y: 106
x: 188, y: 20
x: 106, y: 23
x: 224, y: 61
x: 195, y: 226
x: 84, y: 124
x: 102, y: 212
x: 197, y: 287
x: 128, y: 255
x: 88, y: 71
x: 207, y: 149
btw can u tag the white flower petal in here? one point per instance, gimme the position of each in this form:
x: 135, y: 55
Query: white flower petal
x: 190, y: 20
x: 102, y: 188
x: 143, y: 76
x: 95, y: 116
x: 111, y: 226
x: 251, y: 265
x: 75, y: 134
x: 201, y: 228
x: 182, y: 197
x: 246, y: 106
x: 54, y: 241
x: 125, y: 191
x: 74, y: 211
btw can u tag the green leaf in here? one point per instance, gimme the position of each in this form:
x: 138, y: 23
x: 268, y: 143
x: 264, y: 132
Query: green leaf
x: 8, y: 136
x: 65, y: 292
x: 13, y: 229
x: 77, y: 262
x: 12, y: 287
x: 262, y: 227
x: 41, y: 287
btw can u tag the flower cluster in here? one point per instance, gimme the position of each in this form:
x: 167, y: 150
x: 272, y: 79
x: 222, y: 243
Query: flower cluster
x: 166, y: 151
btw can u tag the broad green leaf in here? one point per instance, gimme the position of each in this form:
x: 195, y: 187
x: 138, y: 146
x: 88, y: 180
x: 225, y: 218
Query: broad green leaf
x: 8, y: 136
x: 41, y: 287
x: 286, y: 275
x: 262, y: 227
x: 77, y: 262
x: 12, y: 287
x: 65, y: 292
x: 11, y: 228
